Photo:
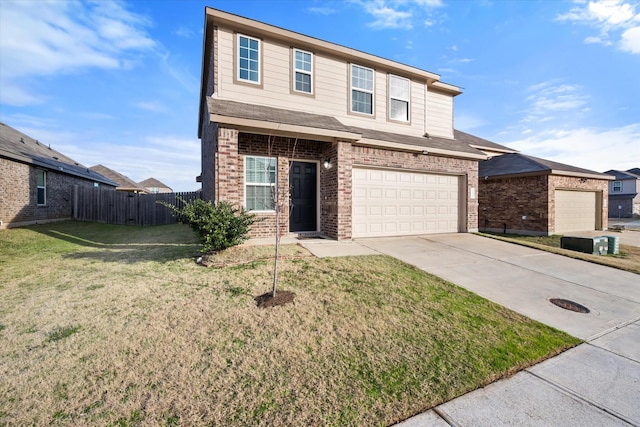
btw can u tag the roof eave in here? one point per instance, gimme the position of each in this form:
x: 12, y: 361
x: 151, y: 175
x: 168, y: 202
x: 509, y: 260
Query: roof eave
x: 283, y: 129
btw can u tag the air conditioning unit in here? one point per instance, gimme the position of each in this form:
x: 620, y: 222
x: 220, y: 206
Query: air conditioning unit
x: 614, y: 245
x: 588, y: 245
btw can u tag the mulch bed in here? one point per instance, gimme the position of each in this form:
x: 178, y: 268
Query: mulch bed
x: 267, y: 300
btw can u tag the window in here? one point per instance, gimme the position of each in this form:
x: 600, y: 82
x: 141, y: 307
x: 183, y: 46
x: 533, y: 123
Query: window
x: 259, y: 183
x: 302, y: 71
x: 248, y: 59
x: 361, y: 90
x: 399, y: 94
x: 617, y: 186
x: 41, y: 185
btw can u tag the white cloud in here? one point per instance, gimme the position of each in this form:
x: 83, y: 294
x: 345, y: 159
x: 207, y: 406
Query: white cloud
x: 548, y: 100
x: 47, y: 38
x: 184, y: 32
x: 322, y: 10
x: 589, y: 148
x: 152, y: 106
x: 397, y: 14
x: 467, y: 122
x: 630, y: 40
x: 612, y: 19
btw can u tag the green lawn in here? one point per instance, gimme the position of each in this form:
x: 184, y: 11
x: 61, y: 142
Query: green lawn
x: 116, y: 325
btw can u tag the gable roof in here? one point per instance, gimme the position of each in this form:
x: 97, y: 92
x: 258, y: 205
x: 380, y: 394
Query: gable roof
x: 619, y: 175
x: 480, y: 143
x: 19, y: 147
x: 259, y: 118
x: 123, y: 183
x: 635, y: 171
x: 152, y: 182
x: 518, y: 164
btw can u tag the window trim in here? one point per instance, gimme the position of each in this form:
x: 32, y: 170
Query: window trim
x: 41, y: 187
x: 295, y: 70
x: 261, y: 184
x: 613, y: 187
x: 236, y: 61
x: 389, y: 98
x: 372, y: 91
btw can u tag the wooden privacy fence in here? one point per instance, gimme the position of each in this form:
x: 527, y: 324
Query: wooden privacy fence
x: 119, y: 207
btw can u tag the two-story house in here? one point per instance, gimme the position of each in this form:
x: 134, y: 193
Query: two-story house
x: 624, y: 197
x: 365, y: 145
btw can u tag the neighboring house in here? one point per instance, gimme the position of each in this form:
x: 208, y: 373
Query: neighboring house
x: 375, y: 153
x: 154, y: 186
x: 36, y: 181
x: 527, y: 195
x: 624, y: 201
x: 124, y: 183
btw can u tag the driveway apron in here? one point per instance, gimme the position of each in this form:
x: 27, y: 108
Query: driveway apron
x: 594, y: 384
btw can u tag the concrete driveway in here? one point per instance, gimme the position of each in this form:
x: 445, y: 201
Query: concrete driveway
x: 594, y: 384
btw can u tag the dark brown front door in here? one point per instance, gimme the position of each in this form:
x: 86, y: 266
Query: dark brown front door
x: 304, y: 200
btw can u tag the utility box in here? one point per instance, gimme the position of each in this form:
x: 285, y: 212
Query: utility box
x: 588, y: 245
x: 614, y: 245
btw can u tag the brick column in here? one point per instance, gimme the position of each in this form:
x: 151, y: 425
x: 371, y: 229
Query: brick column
x: 344, y: 170
x: 227, y: 171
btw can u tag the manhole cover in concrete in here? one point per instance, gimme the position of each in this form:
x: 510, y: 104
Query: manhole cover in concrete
x: 569, y: 305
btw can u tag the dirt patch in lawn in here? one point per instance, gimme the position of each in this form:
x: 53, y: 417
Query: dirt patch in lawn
x: 268, y: 300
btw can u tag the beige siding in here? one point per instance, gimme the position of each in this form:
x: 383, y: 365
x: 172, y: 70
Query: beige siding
x: 331, y: 90
x: 439, y: 114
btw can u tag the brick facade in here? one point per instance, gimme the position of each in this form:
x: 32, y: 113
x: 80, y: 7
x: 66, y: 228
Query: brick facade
x: 335, y: 187
x: 526, y: 205
x: 18, y: 194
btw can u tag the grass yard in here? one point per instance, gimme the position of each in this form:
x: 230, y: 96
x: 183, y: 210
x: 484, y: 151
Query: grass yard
x: 628, y: 259
x: 116, y: 325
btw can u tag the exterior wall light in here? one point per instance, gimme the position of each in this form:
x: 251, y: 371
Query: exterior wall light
x: 327, y: 164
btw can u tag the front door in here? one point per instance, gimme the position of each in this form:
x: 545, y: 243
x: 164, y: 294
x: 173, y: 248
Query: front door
x: 304, y: 200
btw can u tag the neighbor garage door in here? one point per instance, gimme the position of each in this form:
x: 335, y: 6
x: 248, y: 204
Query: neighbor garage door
x: 395, y: 203
x: 575, y: 211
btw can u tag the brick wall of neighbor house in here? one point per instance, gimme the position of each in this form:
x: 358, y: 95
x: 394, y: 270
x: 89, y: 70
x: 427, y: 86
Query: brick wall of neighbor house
x: 504, y: 202
x: 601, y: 186
x: 18, y: 192
x: 367, y: 156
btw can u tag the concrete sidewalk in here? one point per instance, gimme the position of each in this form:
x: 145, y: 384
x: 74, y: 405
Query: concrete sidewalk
x: 594, y: 384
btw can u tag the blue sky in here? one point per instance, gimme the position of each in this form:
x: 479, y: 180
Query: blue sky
x: 117, y: 83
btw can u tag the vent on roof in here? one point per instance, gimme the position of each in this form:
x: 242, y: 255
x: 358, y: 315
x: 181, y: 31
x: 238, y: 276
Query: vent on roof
x: 55, y: 158
x: 37, y: 143
x: 22, y: 140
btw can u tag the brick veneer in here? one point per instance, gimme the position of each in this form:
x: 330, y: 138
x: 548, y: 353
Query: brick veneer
x: 526, y: 205
x: 18, y: 193
x: 335, y: 182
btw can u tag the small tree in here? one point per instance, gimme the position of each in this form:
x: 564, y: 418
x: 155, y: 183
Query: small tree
x: 280, y: 194
x: 218, y: 226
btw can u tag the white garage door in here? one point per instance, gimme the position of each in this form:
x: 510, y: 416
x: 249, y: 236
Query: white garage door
x: 575, y: 211
x: 394, y: 203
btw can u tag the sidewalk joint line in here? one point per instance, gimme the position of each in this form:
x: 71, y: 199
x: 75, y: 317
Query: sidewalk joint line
x: 581, y: 398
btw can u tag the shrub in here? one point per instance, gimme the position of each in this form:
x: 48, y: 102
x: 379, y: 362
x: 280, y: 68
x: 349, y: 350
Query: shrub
x: 218, y: 226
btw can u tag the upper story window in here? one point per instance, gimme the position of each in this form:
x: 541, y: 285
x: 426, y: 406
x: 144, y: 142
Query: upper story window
x: 259, y: 183
x: 361, y: 89
x: 399, y: 94
x: 617, y: 186
x: 248, y: 59
x: 302, y: 71
x: 41, y: 185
